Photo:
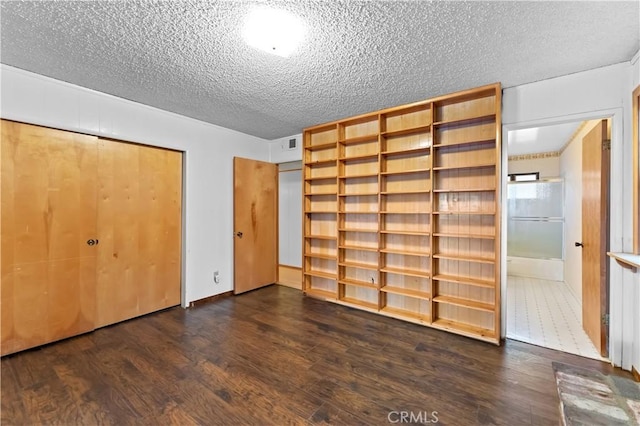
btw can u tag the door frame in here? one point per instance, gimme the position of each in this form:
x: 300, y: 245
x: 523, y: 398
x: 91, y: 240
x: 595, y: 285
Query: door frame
x: 617, y: 180
x: 183, y: 257
x: 298, y: 167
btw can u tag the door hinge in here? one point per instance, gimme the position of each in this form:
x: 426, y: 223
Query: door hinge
x: 606, y: 145
x: 605, y: 319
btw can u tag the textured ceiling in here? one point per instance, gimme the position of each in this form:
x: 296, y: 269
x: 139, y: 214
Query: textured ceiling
x: 188, y: 56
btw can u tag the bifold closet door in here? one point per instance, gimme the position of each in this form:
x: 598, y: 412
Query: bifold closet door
x: 139, y: 218
x: 48, y: 220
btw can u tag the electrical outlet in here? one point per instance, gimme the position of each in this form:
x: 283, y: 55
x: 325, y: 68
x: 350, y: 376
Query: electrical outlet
x: 216, y: 277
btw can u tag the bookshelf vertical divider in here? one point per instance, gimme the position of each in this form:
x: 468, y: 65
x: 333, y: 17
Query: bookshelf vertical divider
x: 381, y: 294
x: 401, y: 212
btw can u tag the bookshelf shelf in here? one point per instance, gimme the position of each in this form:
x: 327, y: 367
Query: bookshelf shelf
x: 401, y: 212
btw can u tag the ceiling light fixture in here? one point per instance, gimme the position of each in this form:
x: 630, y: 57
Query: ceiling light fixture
x: 275, y: 31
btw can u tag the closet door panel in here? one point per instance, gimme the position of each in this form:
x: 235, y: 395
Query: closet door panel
x: 76, y: 286
x: 160, y: 230
x: 48, y: 215
x: 140, y: 230
x: 7, y: 241
x: 116, y: 289
x: 28, y: 303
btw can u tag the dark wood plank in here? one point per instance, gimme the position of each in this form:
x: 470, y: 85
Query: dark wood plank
x: 328, y: 414
x: 12, y: 411
x: 272, y: 356
x: 172, y: 414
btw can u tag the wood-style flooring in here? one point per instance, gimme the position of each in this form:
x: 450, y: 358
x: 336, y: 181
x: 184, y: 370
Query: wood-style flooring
x: 273, y: 356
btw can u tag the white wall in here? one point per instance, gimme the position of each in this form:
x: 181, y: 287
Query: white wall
x: 548, y: 167
x: 290, y: 215
x: 586, y: 95
x: 635, y: 63
x: 290, y: 200
x: 279, y: 151
x: 209, y: 152
x: 571, y: 171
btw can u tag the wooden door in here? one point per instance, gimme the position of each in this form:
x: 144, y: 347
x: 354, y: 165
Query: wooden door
x: 48, y: 216
x: 139, y: 218
x: 255, y: 221
x: 595, y: 235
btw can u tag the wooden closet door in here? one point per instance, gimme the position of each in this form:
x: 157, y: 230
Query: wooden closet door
x: 48, y: 215
x: 139, y: 218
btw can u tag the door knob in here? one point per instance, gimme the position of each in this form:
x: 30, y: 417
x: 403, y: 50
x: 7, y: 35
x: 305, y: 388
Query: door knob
x: 239, y: 234
x: 92, y: 242
x: 577, y: 244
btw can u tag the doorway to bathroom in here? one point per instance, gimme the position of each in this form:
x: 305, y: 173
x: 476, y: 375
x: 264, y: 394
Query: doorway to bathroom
x: 550, y: 288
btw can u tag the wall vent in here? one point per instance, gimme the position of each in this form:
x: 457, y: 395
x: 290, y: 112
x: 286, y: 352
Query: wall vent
x: 292, y: 143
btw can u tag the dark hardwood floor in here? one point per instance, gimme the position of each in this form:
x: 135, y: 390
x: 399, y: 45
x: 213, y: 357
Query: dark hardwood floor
x: 272, y: 356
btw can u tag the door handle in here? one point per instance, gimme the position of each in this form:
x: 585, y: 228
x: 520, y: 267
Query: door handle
x: 92, y: 242
x: 577, y: 244
x: 239, y: 234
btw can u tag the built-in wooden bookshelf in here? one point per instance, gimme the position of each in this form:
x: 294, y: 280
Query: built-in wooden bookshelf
x: 401, y: 212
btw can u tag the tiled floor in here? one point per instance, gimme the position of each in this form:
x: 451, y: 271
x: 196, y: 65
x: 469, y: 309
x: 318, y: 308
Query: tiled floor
x: 546, y: 313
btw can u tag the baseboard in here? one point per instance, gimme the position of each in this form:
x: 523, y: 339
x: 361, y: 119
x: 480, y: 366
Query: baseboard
x: 635, y: 373
x: 290, y: 276
x: 210, y: 299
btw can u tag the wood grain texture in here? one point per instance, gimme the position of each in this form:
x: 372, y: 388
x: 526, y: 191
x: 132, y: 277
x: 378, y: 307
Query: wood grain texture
x: 48, y: 214
x: 290, y: 276
x: 497, y: 267
x: 275, y: 357
x: 417, y: 191
x: 595, y: 226
x: 635, y: 122
x: 255, y: 214
x: 139, y: 218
